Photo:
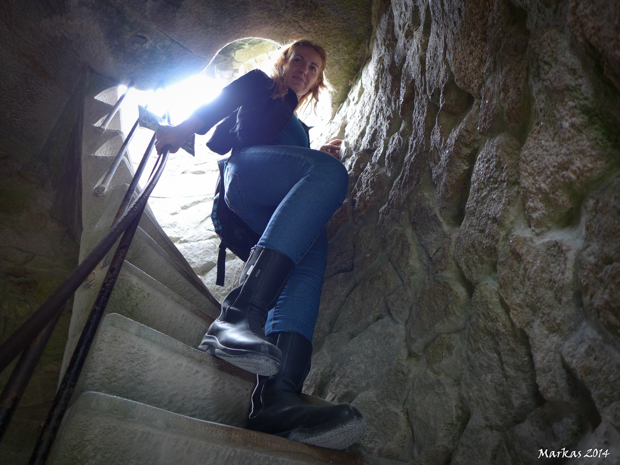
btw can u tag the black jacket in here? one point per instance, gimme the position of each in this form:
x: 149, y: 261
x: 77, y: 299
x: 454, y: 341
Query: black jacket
x: 251, y: 116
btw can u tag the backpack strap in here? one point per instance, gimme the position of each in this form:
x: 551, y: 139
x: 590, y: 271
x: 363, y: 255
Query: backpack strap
x: 235, y: 235
x: 218, y: 209
x: 221, y: 264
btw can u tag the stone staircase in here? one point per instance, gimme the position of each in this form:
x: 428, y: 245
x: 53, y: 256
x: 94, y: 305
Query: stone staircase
x: 146, y: 395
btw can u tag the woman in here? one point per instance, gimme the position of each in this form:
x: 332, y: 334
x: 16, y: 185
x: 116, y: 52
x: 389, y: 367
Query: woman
x: 286, y: 192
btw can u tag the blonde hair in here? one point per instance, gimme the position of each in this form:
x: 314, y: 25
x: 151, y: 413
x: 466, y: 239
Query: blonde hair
x: 281, y: 87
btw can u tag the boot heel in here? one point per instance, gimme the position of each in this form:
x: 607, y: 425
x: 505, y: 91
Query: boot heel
x: 253, y: 363
x: 277, y: 408
x: 248, y: 360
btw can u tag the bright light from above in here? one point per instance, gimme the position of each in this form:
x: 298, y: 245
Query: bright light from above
x: 181, y: 99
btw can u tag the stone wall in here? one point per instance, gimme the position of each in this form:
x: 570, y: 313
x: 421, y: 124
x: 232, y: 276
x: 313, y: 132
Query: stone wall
x: 40, y: 226
x: 472, y: 304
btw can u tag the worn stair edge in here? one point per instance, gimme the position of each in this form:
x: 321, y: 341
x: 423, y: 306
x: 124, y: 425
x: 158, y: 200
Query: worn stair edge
x: 103, y: 210
x: 103, y: 429
x: 151, y: 226
x: 145, y: 254
x: 94, y: 111
x: 133, y: 361
x: 141, y: 298
x: 153, y: 260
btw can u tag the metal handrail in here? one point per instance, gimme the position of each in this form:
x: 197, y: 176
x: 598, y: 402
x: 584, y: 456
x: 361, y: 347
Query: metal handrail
x: 32, y: 336
x: 136, y: 178
x: 16, y: 385
x: 61, y: 402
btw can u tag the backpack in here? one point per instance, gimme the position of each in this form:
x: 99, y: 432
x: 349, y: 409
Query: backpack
x: 234, y: 234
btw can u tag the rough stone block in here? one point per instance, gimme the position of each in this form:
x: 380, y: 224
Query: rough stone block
x: 453, y: 167
x: 599, y: 265
x: 600, y: 447
x: 436, y: 414
x: 480, y: 444
x: 596, y: 364
x: 537, y: 280
x: 573, y: 143
x: 365, y: 304
x: 499, y: 382
x: 440, y: 307
x: 355, y: 370
x: 490, y: 209
x: 368, y: 191
x: 546, y: 429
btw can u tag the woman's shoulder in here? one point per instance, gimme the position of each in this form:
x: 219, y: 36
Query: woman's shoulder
x: 254, y: 84
x: 257, y: 78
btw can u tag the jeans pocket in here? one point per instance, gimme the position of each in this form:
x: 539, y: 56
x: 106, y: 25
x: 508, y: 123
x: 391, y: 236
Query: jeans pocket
x: 234, y: 197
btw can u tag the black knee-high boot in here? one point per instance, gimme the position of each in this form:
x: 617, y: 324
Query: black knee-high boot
x: 237, y: 335
x: 277, y: 408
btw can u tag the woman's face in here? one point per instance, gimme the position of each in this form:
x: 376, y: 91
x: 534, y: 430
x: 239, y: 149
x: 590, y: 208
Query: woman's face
x: 303, y: 69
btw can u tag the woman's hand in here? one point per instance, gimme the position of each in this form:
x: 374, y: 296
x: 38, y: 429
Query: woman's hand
x: 174, y: 136
x: 333, y: 148
x: 169, y: 135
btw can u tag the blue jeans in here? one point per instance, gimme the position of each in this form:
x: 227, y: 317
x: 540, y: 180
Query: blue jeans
x: 287, y: 194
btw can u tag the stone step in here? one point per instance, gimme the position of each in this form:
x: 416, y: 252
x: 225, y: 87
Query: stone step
x: 102, y: 429
x: 133, y: 361
x: 95, y: 111
x: 166, y: 264
x: 147, y: 255
x: 99, y: 213
x: 143, y: 299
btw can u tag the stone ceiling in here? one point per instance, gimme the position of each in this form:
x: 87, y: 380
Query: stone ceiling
x: 47, y: 45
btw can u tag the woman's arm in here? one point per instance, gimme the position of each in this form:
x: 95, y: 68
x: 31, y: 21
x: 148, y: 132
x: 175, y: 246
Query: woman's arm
x: 174, y: 136
x: 240, y: 92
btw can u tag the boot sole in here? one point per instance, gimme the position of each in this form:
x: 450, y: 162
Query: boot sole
x: 337, y: 438
x: 259, y: 364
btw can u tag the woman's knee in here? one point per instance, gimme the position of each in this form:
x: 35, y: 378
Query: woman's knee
x: 335, y: 175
